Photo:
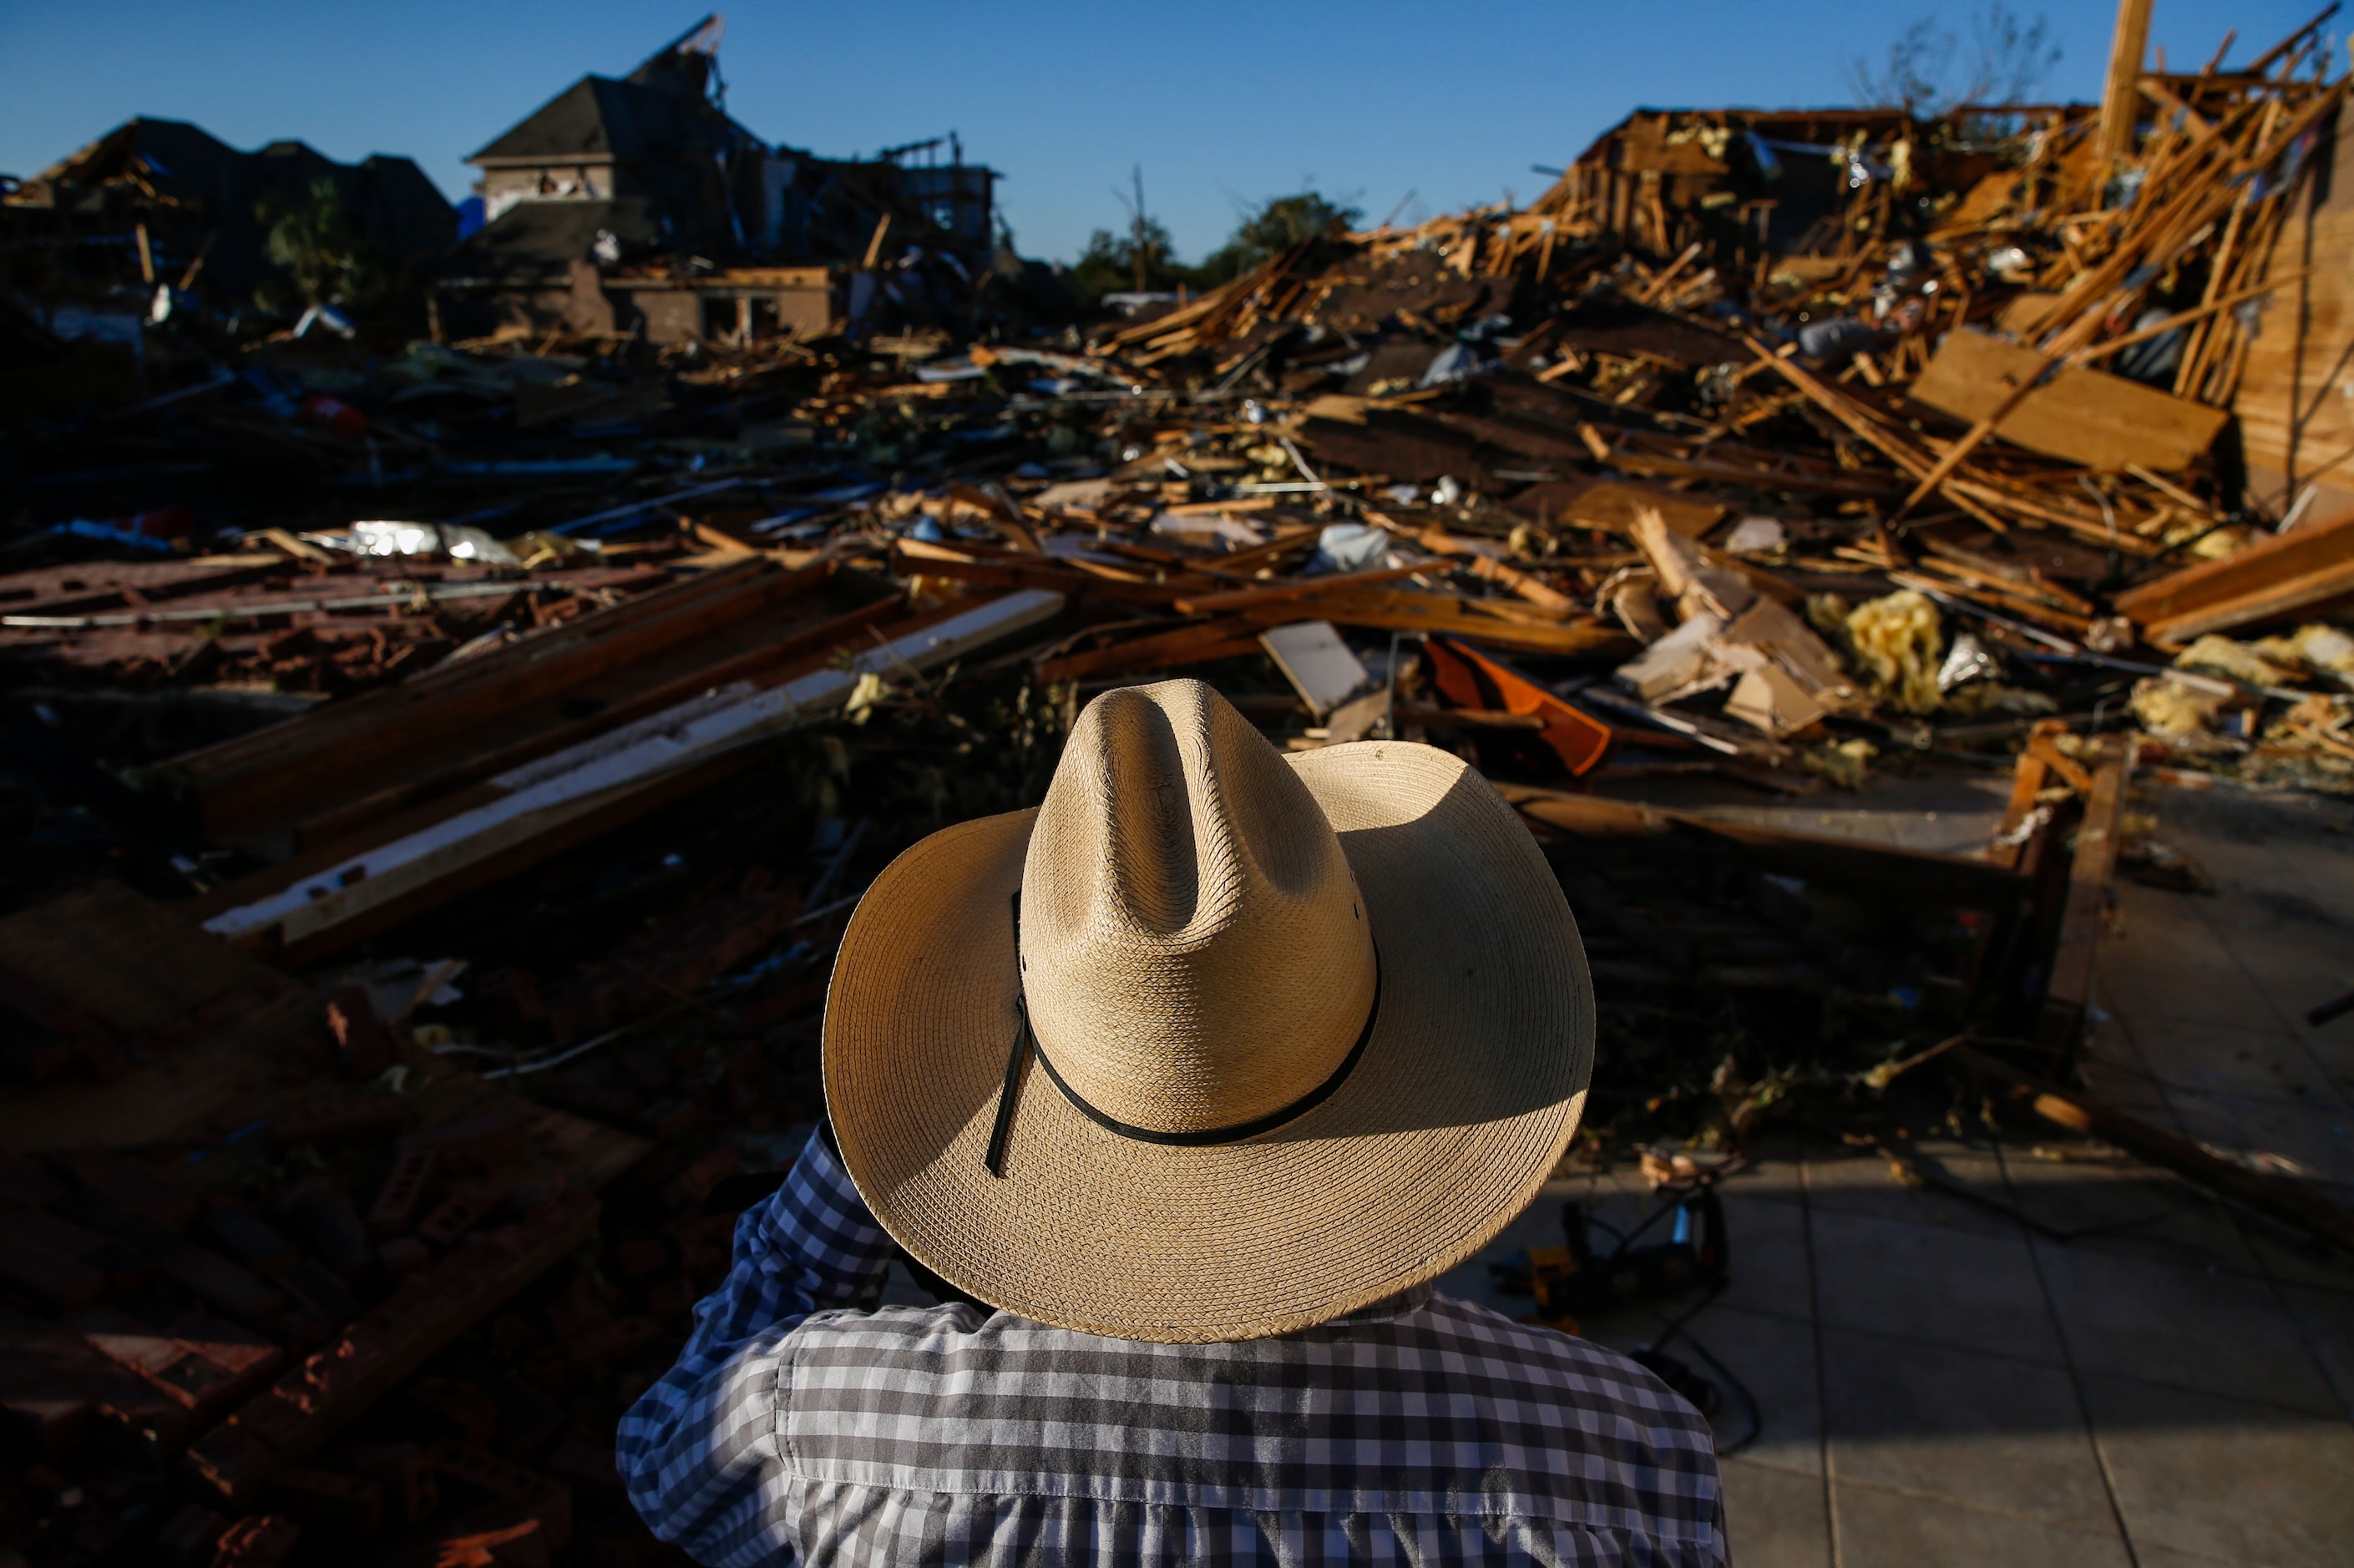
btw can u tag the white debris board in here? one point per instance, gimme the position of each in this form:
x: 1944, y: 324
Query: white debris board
x: 1317, y: 662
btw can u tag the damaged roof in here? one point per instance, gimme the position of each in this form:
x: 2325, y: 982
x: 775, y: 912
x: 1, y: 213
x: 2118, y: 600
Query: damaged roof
x: 600, y: 117
x: 172, y: 165
x: 665, y: 107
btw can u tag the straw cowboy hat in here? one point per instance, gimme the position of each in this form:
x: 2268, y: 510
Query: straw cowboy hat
x: 1284, y: 1035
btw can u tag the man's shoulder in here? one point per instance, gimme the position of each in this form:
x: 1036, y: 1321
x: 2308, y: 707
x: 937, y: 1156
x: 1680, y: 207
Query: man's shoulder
x: 1498, y: 1350
x: 1475, y: 1328
x: 1440, y: 1340
x: 1443, y: 1409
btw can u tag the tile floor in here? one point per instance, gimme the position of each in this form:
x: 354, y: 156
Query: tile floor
x: 2132, y: 1373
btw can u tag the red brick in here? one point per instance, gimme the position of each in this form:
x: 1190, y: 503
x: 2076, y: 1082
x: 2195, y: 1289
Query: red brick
x: 261, y: 1541
x: 486, y: 1143
x: 289, y: 1421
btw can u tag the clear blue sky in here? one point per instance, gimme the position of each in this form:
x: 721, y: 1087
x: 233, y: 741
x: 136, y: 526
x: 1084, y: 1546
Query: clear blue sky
x: 1220, y: 102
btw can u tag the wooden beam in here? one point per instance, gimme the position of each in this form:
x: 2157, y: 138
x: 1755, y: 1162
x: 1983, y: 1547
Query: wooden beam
x: 1883, y: 870
x: 2283, y: 1197
x: 2085, y: 914
x: 1298, y: 588
x: 2008, y: 849
x: 1193, y: 643
x: 1537, y: 592
x: 2183, y: 318
x: 317, y: 906
x: 2285, y: 574
x: 913, y: 557
x: 2121, y: 97
x: 1389, y: 609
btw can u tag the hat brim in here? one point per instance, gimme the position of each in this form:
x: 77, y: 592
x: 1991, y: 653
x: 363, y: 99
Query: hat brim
x: 1464, y: 1100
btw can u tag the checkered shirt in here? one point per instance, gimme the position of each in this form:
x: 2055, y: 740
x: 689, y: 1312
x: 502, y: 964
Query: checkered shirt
x: 798, y: 1427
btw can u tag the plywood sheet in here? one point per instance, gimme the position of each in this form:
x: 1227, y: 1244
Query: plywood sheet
x: 2083, y: 415
x: 2295, y: 400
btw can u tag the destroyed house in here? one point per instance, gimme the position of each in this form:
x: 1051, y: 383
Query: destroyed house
x: 1662, y: 176
x: 641, y: 205
x: 654, y: 152
x: 182, y: 195
x: 1800, y: 190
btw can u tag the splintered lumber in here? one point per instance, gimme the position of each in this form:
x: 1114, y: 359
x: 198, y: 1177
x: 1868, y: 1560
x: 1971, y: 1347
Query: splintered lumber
x: 328, y: 774
x: 1035, y: 573
x: 2084, y: 909
x: 519, y: 816
x: 1251, y: 558
x: 1614, y: 505
x: 1482, y: 620
x: 1660, y: 465
x: 1471, y: 680
x: 2298, y: 573
x: 91, y: 586
x: 1196, y: 642
x: 2283, y: 1197
x: 1891, y: 871
x: 2183, y: 318
x: 1276, y: 593
x: 2083, y: 415
x: 2023, y: 820
x: 1484, y: 567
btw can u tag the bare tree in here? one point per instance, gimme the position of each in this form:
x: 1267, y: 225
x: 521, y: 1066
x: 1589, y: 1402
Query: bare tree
x: 2015, y: 57
x: 2010, y: 57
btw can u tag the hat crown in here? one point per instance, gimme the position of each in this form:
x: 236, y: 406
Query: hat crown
x: 1194, y: 952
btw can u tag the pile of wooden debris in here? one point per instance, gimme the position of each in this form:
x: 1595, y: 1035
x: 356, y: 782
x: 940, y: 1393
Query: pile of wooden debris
x: 383, y: 1071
